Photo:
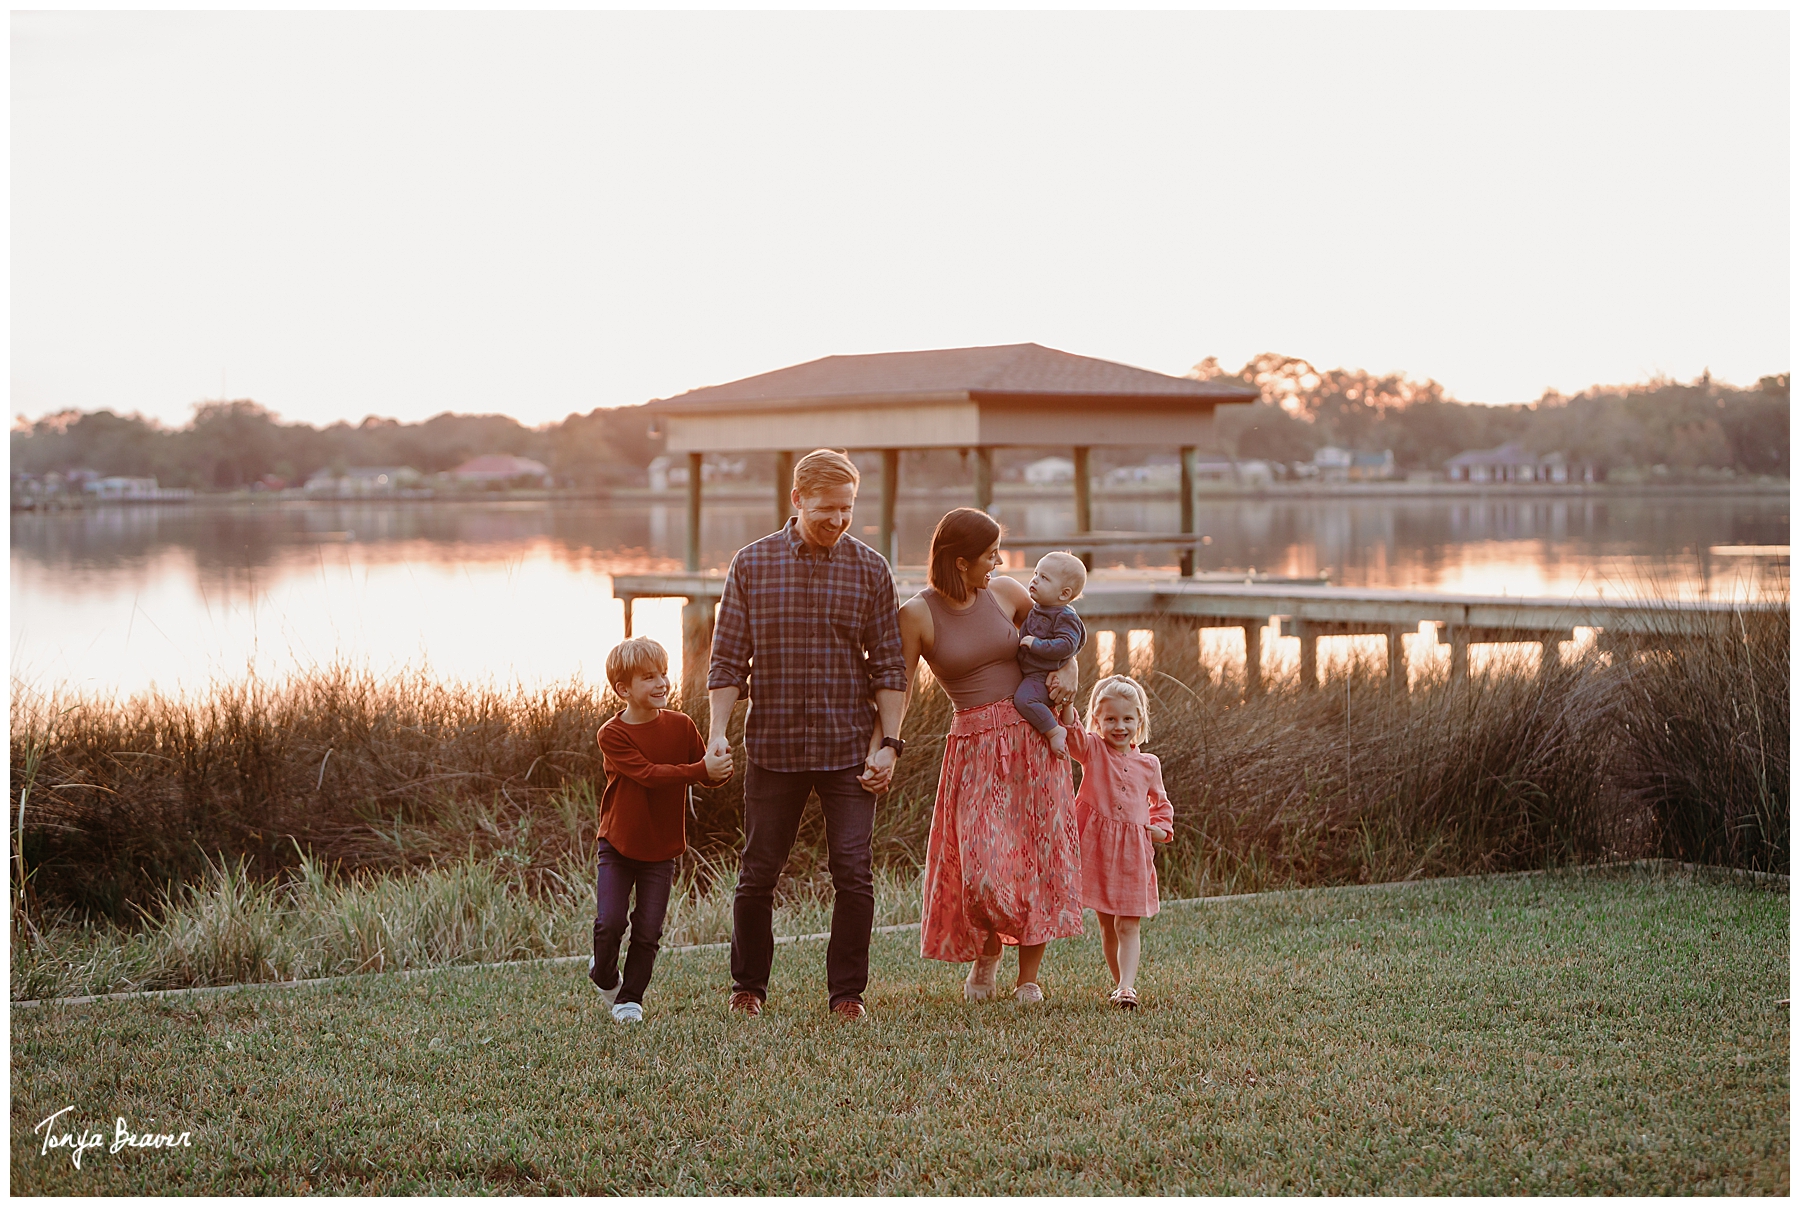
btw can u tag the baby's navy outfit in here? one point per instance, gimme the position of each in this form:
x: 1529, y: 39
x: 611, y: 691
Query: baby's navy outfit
x: 1059, y: 634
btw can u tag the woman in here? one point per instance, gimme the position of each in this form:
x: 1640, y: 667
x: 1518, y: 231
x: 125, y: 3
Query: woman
x: 1003, y: 864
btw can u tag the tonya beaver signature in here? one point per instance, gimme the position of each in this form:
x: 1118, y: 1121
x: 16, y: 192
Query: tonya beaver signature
x: 123, y: 1137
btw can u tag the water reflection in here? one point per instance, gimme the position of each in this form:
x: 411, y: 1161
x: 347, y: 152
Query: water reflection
x: 121, y: 598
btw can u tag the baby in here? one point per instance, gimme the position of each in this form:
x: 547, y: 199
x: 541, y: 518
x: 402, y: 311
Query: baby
x: 1051, y: 635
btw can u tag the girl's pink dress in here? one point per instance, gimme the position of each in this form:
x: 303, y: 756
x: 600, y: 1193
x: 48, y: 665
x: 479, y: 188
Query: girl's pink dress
x: 1121, y: 796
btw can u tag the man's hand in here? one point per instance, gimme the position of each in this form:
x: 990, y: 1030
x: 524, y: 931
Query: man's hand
x: 1062, y: 683
x: 878, y: 770
x: 1027, y: 641
x: 718, y: 761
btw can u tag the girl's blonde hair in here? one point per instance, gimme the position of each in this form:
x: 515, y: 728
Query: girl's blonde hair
x: 1120, y: 687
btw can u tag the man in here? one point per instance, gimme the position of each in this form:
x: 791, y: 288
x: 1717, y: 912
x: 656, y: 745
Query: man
x: 808, y: 628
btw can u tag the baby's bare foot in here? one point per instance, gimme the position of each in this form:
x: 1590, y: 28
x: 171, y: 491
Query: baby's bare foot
x: 1059, y: 741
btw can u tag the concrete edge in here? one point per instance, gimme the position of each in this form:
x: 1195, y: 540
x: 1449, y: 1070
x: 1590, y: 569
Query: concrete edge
x: 1770, y: 878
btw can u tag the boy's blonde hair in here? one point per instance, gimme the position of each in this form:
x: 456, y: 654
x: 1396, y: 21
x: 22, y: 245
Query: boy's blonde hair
x: 822, y: 469
x: 632, y: 657
x: 1065, y: 563
x: 1120, y: 687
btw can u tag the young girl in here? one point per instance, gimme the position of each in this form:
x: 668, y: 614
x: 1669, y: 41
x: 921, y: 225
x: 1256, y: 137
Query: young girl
x: 1120, y: 810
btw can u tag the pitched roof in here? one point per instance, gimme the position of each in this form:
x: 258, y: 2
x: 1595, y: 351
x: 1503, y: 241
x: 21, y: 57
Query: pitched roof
x: 1510, y: 453
x: 1017, y: 371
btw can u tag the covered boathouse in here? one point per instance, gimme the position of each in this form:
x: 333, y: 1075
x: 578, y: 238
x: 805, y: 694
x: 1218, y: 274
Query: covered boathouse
x: 962, y: 398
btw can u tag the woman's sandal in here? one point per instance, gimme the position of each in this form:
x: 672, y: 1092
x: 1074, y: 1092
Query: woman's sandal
x: 1124, y: 999
x: 980, y: 986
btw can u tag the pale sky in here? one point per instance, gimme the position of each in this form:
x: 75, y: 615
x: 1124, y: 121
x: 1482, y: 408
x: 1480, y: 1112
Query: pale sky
x: 402, y: 214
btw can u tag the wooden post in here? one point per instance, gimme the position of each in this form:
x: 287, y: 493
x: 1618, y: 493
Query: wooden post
x: 1121, y: 652
x: 1175, y: 650
x: 1083, y: 505
x: 1549, y: 656
x: 888, y: 546
x: 696, y: 648
x: 1253, y: 680
x: 628, y: 600
x: 1087, y: 664
x: 784, y: 486
x: 1396, y: 653
x: 1084, y: 521
x: 693, y: 510
x: 1309, y: 653
x: 1459, y: 652
x: 984, y: 479
x: 1187, y: 508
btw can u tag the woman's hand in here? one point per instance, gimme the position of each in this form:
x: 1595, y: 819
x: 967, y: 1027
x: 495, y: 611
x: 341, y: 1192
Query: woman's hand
x: 1062, y: 683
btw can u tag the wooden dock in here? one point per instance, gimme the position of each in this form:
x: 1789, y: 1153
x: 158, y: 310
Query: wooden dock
x: 1173, y: 610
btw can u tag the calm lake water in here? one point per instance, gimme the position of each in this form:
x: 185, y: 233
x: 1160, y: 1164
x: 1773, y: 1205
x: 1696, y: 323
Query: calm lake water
x: 120, y: 599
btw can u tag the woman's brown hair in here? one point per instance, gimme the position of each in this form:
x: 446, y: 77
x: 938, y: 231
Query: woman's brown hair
x: 965, y: 533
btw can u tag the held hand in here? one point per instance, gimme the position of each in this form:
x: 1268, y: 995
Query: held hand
x: 1062, y: 683
x: 718, y: 766
x: 721, y: 746
x: 1160, y: 834
x: 878, y: 770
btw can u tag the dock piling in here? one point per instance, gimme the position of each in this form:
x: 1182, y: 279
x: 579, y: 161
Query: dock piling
x: 696, y: 646
x: 695, y: 463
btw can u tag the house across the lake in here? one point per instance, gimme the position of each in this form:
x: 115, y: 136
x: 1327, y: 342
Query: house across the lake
x: 502, y: 469
x: 132, y: 490
x: 363, y: 481
x: 1513, y: 462
x: 1331, y: 464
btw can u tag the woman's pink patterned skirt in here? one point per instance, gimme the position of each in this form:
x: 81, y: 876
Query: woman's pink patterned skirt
x: 1003, y: 854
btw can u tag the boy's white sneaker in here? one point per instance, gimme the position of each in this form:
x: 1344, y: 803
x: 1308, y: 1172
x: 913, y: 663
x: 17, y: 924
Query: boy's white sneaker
x: 627, y: 1012
x: 611, y: 995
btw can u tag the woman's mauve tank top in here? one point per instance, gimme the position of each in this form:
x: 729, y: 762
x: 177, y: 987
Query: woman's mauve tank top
x: 974, y: 653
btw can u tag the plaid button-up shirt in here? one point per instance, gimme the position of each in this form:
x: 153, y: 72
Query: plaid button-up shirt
x: 809, y: 635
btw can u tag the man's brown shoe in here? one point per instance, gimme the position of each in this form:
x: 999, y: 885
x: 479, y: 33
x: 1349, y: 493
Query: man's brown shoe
x: 746, y: 1003
x: 852, y: 1012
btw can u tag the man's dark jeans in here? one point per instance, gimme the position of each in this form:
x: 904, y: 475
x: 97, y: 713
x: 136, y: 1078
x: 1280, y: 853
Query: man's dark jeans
x: 613, y: 883
x: 773, y: 803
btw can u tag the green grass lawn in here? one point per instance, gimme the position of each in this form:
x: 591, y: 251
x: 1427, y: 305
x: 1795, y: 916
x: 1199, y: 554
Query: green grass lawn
x: 1574, y: 1033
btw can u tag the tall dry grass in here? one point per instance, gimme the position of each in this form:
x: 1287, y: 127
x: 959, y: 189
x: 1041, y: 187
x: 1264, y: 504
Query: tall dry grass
x: 231, y: 927
x: 1679, y: 751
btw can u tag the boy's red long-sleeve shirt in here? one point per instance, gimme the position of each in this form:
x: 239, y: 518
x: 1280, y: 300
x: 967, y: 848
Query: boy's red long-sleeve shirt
x: 643, y: 812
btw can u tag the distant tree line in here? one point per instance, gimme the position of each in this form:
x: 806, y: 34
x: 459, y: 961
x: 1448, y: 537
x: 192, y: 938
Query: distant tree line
x: 1698, y: 428
x: 1701, y: 425
x: 231, y: 445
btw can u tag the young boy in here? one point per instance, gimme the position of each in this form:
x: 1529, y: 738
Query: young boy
x: 1050, y: 636
x: 652, y: 754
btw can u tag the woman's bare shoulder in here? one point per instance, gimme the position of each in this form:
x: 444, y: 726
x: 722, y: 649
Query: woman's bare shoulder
x: 915, y: 616
x: 1010, y: 592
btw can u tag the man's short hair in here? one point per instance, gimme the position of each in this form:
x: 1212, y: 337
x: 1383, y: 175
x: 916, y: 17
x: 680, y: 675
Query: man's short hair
x: 1067, y: 564
x: 822, y: 469
x: 632, y: 657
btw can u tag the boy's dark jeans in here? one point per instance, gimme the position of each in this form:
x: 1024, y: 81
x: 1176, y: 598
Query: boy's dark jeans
x: 773, y: 803
x: 617, y: 876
